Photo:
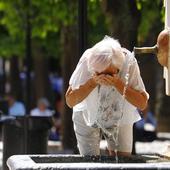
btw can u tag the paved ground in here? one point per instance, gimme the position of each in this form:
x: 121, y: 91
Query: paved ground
x: 154, y: 147
x: 1, y: 147
x: 157, y: 146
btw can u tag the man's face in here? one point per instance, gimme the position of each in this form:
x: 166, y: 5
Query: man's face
x: 111, y: 70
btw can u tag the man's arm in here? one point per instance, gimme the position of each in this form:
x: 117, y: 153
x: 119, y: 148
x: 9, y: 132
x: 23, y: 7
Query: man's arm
x: 135, y: 97
x: 74, y: 97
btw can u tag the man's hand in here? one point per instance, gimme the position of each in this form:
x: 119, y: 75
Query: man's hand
x: 106, y: 79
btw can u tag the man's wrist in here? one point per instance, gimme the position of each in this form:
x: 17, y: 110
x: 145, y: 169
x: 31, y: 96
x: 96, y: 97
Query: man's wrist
x: 119, y: 84
x: 92, y: 83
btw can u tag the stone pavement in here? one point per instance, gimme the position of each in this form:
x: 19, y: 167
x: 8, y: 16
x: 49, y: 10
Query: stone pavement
x: 155, y: 147
x: 158, y: 146
x: 1, y: 147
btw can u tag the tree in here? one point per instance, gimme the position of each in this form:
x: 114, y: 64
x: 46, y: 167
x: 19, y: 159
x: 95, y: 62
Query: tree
x: 48, y: 19
x: 148, y: 37
x: 122, y: 25
x: 154, y: 81
x: 45, y: 21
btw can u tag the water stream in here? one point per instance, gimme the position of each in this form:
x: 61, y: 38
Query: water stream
x: 109, y: 113
x: 113, y: 132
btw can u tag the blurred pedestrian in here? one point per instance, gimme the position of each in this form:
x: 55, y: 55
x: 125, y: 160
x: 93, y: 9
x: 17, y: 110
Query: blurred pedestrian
x: 145, y: 129
x: 15, y: 107
x: 55, y: 132
x: 42, y: 108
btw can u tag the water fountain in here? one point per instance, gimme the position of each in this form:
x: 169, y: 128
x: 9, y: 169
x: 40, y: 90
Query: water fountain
x: 60, y: 161
x: 54, y: 162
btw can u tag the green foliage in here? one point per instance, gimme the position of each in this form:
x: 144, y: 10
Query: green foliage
x: 150, y: 12
x: 47, y: 17
x: 97, y: 22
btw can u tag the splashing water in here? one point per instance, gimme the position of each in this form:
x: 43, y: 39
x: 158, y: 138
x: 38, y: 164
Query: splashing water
x: 112, y: 133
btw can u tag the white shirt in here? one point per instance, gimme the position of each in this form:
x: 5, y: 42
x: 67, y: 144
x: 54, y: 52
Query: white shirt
x: 128, y: 112
x: 38, y: 112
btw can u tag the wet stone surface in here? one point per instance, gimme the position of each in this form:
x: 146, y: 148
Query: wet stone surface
x: 78, y: 162
x: 99, y: 159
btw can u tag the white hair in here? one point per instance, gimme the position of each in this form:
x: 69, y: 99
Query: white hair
x: 106, y: 52
x: 96, y: 59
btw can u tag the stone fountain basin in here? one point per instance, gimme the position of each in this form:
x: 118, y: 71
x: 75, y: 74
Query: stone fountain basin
x: 54, y: 162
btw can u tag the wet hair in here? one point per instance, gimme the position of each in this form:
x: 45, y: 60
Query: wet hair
x: 106, y: 52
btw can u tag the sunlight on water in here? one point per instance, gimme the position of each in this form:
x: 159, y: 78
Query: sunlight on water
x: 111, y: 130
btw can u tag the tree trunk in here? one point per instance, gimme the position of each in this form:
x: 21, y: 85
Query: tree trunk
x: 123, y: 20
x: 41, y: 83
x: 2, y: 77
x: 15, y: 82
x: 151, y: 69
x: 163, y: 115
x: 124, y: 26
x: 70, y: 59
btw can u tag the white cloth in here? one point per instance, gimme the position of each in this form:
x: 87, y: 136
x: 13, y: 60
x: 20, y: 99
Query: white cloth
x: 96, y: 59
x: 126, y: 111
x: 88, y: 138
x: 38, y: 112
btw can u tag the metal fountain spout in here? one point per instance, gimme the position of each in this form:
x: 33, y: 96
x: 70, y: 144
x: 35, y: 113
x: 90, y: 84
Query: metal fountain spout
x: 162, y: 51
x: 145, y: 50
